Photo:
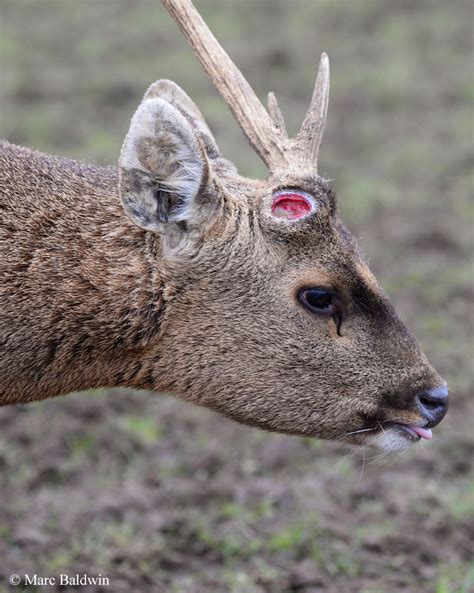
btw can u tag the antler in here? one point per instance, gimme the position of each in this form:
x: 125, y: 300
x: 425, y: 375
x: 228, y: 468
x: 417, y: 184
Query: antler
x: 311, y: 133
x: 266, y: 133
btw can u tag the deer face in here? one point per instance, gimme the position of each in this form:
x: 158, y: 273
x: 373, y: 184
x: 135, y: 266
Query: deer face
x: 272, y: 315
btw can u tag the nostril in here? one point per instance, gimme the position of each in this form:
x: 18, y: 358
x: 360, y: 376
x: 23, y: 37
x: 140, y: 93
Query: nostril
x: 433, y: 404
x: 428, y: 402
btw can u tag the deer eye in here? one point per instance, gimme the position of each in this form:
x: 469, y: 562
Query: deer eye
x: 319, y: 300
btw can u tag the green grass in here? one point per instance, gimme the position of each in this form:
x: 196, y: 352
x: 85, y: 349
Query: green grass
x: 458, y: 579
x: 143, y: 429
x: 288, y: 539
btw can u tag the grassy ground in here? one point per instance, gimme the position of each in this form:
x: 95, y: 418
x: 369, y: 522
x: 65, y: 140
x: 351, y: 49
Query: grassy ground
x: 163, y: 497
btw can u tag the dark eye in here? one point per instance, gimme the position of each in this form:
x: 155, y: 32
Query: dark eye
x: 318, y: 300
x: 322, y: 302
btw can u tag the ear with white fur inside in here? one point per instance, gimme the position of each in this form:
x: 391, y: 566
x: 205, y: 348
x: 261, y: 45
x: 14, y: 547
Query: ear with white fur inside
x: 173, y: 94
x: 162, y: 168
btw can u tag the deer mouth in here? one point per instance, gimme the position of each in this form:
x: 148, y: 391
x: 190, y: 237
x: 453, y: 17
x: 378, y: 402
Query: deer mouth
x: 410, y: 431
x: 396, y: 436
x: 391, y: 436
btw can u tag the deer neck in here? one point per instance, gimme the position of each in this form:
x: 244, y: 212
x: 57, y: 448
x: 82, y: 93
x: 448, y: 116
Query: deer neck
x: 82, y: 304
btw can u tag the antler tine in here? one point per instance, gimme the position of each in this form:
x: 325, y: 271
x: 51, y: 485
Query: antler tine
x: 268, y: 141
x: 276, y: 114
x: 311, y: 133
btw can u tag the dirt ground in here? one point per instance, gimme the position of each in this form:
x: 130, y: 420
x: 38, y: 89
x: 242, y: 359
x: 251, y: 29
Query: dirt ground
x: 162, y: 497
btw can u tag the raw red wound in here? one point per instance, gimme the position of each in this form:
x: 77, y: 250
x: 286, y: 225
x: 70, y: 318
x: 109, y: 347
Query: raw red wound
x: 291, y: 206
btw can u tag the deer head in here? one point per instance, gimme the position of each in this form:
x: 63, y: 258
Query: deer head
x: 272, y: 315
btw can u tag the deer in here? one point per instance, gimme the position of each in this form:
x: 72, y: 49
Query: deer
x: 175, y: 274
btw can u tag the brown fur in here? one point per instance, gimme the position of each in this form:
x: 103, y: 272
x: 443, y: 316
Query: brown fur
x: 200, y: 301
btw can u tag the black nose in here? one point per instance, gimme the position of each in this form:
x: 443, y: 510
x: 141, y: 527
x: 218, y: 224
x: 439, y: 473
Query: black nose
x: 433, y: 404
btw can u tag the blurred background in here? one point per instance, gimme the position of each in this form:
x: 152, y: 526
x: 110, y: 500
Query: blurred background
x: 160, y: 496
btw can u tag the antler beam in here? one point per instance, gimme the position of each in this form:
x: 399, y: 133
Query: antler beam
x: 254, y: 120
x: 266, y: 133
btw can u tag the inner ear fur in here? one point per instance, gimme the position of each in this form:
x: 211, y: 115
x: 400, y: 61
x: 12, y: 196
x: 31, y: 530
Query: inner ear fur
x: 172, y: 93
x: 162, y: 167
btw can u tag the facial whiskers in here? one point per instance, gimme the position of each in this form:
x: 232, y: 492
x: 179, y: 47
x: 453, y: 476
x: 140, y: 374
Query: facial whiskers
x: 361, y: 430
x: 362, y: 468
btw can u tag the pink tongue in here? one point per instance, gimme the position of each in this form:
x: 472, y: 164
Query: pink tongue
x: 424, y: 433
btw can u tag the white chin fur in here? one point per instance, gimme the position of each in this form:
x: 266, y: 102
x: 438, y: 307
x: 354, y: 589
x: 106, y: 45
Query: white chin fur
x: 389, y: 440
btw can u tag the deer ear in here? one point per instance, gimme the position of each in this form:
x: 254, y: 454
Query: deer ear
x: 170, y: 92
x: 163, y: 166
